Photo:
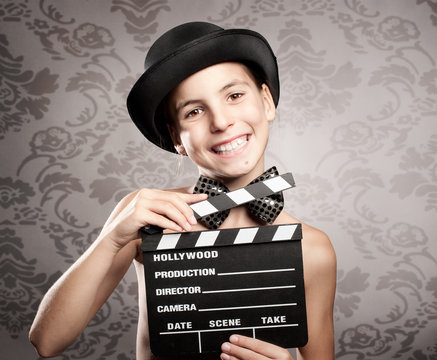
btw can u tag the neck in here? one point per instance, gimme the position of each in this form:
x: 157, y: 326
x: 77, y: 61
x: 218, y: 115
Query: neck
x: 239, y: 181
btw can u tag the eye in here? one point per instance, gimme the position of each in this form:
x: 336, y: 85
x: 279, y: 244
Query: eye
x: 235, y: 96
x: 193, y: 113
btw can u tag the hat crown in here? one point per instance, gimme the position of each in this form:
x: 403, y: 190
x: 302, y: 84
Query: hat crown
x: 169, y: 42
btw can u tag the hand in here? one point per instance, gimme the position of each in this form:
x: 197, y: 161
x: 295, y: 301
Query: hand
x: 166, y: 209
x: 245, y: 348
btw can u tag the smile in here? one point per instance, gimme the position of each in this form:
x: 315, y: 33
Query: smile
x: 231, y: 146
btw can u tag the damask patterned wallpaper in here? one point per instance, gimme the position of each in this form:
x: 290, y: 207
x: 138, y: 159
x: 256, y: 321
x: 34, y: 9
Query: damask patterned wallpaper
x: 356, y: 126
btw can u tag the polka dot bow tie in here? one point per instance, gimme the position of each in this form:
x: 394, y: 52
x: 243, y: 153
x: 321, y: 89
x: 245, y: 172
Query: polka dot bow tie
x: 267, y: 208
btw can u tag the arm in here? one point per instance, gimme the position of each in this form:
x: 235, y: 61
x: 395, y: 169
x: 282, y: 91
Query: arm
x: 320, y: 279
x: 79, y: 293
x: 320, y: 269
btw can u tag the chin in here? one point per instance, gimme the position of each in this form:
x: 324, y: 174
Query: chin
x: 232, y: 168
x: 238, y: 170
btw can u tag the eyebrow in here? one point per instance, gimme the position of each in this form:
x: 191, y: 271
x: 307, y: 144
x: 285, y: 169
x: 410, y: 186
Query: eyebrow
x: 229, y: 85
x: 180, y: 106
x: 233, y: 83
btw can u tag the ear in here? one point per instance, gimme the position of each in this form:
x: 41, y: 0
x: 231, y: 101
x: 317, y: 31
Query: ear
x: 269, y: 104
x: 176, y: 140
x: 180, y: 149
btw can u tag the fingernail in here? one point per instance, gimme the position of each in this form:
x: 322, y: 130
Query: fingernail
x: 226, y: 347
x: 193, y: 220
x: 187, y: 226
x: 234, y: 338
x: 178, y: 228
x: 225, y: 356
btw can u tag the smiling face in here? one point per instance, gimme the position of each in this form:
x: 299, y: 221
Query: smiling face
x: 221, y: 118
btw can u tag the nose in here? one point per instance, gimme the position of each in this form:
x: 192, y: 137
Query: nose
x: 220, y: 120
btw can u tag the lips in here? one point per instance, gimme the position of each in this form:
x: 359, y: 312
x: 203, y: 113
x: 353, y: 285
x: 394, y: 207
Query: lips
x: 230, y: 146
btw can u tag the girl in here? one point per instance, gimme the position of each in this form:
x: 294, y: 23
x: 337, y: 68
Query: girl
x: 209, y: 94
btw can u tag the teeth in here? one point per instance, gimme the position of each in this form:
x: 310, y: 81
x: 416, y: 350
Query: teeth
x: 231, y: 146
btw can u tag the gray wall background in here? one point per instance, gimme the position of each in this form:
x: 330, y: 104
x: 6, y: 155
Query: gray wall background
x: 356, y: 126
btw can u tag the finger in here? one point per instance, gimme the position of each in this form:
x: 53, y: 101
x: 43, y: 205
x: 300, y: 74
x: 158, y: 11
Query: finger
x: 235, y: 352
x: 182, y: 201
x: 193, y: 198
x: 260, y: 347
x: 175, y: 211
x: 169, y: 204
x: 224, y: 356
x: 179, y: 200
x: 152, y: 218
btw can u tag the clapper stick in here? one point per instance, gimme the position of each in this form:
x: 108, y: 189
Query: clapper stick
x: 203, y: 286
x: 226, y: 237
x: 234, y: 198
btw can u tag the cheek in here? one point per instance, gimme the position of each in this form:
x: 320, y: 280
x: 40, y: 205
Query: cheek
x: 185, y: 138
x: 254, y: 114
x: 190, y: 138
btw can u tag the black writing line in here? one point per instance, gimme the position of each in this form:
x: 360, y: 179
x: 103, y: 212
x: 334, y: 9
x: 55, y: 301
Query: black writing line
x: 249, y: 289
x: 247, y: 307
x: 227, y: 329
x: 254, y: 272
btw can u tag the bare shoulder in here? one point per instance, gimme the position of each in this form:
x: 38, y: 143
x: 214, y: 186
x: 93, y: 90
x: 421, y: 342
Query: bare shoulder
x: 317, y: 250
x: 320, y: 263
x: 316, y: 240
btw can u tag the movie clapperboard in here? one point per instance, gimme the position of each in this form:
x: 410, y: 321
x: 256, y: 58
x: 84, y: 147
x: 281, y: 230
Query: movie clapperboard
x: 204, y: 286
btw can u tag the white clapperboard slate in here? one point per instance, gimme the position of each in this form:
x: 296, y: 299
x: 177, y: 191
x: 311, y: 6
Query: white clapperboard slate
x: 204, y: 286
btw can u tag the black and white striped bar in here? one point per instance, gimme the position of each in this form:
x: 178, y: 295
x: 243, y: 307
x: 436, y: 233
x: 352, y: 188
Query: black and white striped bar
x: 243, y: 195
x: 225, y: 237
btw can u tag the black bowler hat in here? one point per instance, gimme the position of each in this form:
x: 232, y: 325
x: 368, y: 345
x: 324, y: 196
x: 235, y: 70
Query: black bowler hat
x: 183, y: 51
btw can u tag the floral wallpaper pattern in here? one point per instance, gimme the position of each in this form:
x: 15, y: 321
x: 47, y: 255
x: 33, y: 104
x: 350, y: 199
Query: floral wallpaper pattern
x: 356, y: 125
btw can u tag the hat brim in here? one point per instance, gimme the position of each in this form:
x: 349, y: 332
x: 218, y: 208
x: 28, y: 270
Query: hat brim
x: 152, y: 87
